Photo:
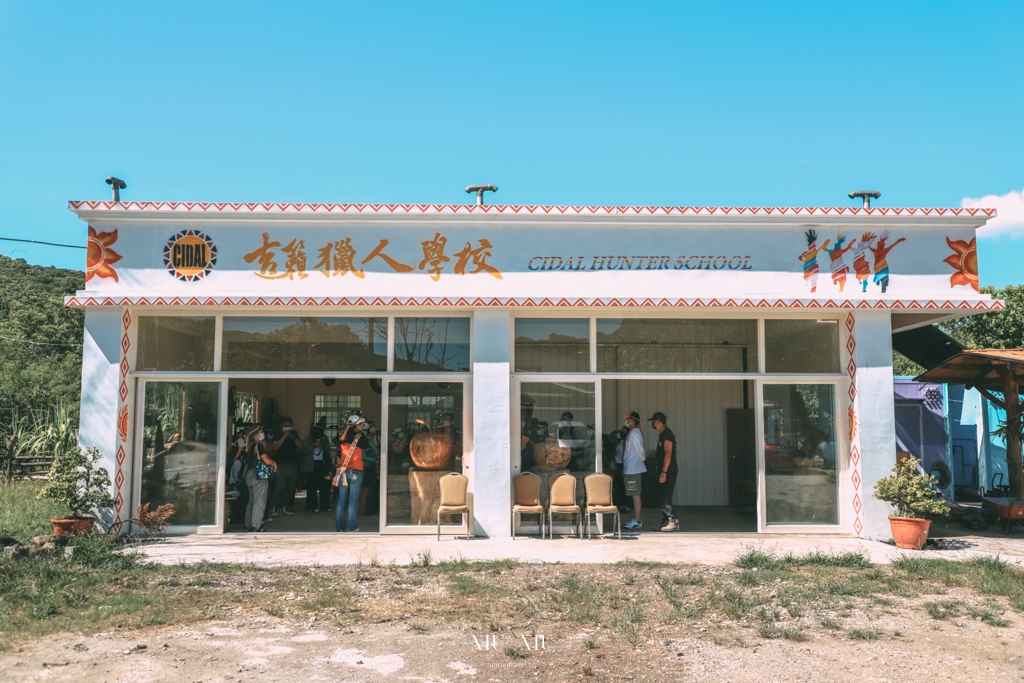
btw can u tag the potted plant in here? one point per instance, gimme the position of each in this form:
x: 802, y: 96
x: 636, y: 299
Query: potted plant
x: 913, y: 498
x: 78, y: 483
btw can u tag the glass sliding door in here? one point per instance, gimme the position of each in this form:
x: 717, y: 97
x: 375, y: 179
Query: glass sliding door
x: 181, y: 451
x: 424, y: 442
x: 800, y: 455
x: 557, y: 426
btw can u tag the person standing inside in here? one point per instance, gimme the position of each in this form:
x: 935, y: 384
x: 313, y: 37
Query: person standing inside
x: 287, y: 451
x: 665, y: 457
x: 349, y: 477
x: 257, y: 475
x: 318, y: 484
x: 633, y: 467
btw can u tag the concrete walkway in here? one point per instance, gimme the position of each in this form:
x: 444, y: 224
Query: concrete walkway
x: 339, y: 549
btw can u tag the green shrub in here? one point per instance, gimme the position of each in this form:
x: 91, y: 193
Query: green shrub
x: 77, y: 483
x: 909, y: 492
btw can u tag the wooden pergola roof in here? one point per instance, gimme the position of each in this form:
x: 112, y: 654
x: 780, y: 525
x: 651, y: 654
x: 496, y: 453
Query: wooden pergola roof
x: 981, y: 369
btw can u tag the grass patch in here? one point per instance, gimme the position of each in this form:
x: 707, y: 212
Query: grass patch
x: 943, y: 609
x: 516, y: 652
x: 757, y: 558
x: 988, y: 614
x: 771, y: 631
x: 23, y: 514
x: 864, y: 634
x: 464, y: 584
x: 830, y: 623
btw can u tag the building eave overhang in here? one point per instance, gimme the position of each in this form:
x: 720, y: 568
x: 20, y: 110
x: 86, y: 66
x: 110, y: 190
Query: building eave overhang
x: 113, y: 211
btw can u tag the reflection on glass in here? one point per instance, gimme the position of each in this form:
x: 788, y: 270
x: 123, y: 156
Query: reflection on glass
x: 552, y: 345
x: 557, y: 423
x: 179, y: 446
x: 424, y: 444
x: 173, y: 343
x: 653, y: 345
x: 800, y: 454
x: 432, y: 344
x: 305, y: 344
x: 801, y: 346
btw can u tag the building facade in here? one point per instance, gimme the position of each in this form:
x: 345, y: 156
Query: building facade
x: 495, y: 339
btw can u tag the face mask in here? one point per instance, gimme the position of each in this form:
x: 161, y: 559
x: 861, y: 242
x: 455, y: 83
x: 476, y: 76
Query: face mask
x: 260, y: 437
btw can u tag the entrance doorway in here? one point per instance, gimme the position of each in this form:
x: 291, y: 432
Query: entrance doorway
x: 716, y: 451
x: 315, y: 406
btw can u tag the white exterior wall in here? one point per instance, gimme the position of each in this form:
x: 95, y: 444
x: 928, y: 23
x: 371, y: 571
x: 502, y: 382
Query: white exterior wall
x: 876, y: 416
x: 491, y: 463
x: 101, y: 356
x: 760, y: 270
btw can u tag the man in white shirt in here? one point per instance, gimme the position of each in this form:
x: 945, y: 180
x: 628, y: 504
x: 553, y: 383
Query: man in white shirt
x: 633, y: 467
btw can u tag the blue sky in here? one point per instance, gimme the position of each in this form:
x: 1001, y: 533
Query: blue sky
x: 718, y: 103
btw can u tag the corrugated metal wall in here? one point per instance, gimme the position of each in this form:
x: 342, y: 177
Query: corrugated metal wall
x: 696, y: 413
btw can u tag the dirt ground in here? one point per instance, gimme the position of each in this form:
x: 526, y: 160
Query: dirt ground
x: 541, y: 622
x: 271, y: 649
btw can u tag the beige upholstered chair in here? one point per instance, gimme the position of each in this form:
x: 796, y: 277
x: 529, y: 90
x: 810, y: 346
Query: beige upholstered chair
x: 599, y: 499
x: 454, y: 500
x: 527, y: 499
x: 562, y: 499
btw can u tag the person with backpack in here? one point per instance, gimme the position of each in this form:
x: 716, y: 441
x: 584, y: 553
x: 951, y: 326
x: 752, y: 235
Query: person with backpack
x: 259, y: 468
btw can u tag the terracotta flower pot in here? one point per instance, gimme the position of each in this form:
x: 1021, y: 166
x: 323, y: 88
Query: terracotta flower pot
x: 431, y: 450
x: 74, y: 526
x: 909, y: 533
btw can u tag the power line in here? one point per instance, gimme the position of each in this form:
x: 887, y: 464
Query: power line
x: 50, y: 244
x: 26, y: 341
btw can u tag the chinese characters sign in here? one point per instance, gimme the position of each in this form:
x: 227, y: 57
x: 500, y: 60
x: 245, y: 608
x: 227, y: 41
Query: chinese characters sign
x: 341, y: 256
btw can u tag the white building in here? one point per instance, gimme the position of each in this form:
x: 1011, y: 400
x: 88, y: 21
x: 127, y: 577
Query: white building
x: 763, y: 334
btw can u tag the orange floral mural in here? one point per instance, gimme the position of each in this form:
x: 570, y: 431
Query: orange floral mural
x: 100, y: 256
x: 122, y: 423
x: 964, y: 261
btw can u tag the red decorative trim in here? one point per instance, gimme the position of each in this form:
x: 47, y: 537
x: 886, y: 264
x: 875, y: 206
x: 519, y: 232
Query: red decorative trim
x: 854, y: 426
x: 516, y: 209
x: 122, y: 420
x: 528, y: 302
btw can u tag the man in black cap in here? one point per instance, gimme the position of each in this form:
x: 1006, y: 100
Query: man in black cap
x: 665, y: 458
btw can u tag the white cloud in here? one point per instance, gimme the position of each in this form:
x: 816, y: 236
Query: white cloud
x: 1009, y: 218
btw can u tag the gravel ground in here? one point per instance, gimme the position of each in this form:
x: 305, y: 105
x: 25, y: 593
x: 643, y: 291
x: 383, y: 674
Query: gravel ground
x: 558, y: 622
x: 273, y: 649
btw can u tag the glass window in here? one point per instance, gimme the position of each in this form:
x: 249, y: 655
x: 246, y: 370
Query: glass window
x: 305, y: 344
x: 335, y: 409
x: 658, y: 345
x: 424, y: 444
x: 800, y: 454
x: 801, y: 345
x: 552, y: 345
x: 179, y: 344
x: 557, y: 436
x: 179, y: 446
x: 431, y: 344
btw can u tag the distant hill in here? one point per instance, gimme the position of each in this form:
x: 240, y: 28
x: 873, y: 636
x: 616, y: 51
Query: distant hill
x: 37, y: 376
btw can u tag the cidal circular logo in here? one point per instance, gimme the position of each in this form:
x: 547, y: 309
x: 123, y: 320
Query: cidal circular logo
x: 190, y: 255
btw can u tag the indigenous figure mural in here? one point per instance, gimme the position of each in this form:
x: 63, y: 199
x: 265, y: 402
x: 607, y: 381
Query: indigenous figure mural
x: 810, y: 258
x: 881, y: 252
x: 839, y: 267
x: 861, y: 267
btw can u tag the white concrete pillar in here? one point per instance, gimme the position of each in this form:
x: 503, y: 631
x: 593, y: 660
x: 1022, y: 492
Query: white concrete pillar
x: 876, y: 416
x: 101, y: 358
x: 491, y: 472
